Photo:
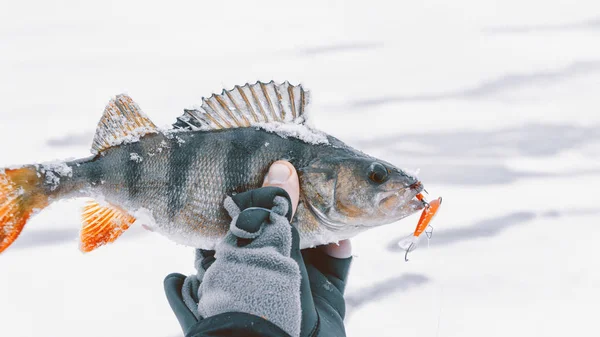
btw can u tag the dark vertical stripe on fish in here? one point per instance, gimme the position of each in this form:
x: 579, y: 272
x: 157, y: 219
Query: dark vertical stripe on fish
x: 133, y: 169
x: 95, y: 173
x: 238, y: 163
x: 230, y: 168
x: 180, y: 161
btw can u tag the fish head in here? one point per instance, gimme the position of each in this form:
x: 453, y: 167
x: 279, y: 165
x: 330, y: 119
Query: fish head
x: 353, y: 193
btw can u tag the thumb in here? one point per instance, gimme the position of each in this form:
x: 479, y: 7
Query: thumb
x: 282, y: 174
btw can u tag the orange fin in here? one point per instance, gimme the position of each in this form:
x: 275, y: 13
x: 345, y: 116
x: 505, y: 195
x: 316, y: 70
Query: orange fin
x: 21, y: 195
x: 102, y: 225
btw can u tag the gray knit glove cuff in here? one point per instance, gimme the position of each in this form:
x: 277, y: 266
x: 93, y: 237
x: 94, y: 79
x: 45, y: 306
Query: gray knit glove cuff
x: 253, y: 272
x: 189, y: 290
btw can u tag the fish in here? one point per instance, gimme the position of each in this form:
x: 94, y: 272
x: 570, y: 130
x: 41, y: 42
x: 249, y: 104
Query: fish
x: 174, y: 181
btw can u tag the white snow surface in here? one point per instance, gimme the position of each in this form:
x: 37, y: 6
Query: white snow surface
x: 495, y: 101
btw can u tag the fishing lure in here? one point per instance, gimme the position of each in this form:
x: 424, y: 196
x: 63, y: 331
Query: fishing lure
x: 431, y: 209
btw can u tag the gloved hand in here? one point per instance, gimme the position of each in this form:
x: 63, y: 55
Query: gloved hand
x: 260, y: 283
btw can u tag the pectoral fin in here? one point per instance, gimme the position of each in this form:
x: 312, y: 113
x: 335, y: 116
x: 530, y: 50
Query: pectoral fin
x: 102, y: 225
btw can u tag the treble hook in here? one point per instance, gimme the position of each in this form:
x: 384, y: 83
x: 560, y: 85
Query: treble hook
x: 430, y: 232
x: 408, y: 250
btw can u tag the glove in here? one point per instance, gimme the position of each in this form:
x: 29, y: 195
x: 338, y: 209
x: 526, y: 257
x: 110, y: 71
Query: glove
x: 253, y: 271
x: 260, y: 271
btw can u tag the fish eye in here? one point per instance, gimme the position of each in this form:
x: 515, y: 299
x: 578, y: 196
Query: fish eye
x: 378, y: 173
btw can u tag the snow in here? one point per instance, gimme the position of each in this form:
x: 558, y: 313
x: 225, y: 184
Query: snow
x: 298, y: 131
x: 132, y: 136
x: 496, y: 102
x: 52, y: 179
x: 136, y: 157
x: 53, y: 171
x: 145, y: 217
x: 58, y: 167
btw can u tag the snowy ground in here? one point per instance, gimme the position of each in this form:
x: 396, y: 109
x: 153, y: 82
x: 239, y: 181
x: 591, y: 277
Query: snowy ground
x: 496, y: 102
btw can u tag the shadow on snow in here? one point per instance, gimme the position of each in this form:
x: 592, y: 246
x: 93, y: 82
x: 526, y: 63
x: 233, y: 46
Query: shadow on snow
x: 591, y: 24
x: 491, y: 227
x: 383, y: 289
x: 506, y: 83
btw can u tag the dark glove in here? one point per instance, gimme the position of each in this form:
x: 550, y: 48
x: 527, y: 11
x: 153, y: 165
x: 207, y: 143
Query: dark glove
x: 323, y: 281
x: 261, y: 256
x: 182, y: 291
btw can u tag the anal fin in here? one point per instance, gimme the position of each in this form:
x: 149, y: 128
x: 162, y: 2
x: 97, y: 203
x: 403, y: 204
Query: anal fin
x: 102, y: 225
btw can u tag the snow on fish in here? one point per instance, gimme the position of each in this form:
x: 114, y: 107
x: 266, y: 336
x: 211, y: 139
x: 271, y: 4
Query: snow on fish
x: 176, y: 180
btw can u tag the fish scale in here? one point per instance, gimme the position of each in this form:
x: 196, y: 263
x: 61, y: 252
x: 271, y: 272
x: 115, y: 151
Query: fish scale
x: 176, y: 181
x: 220, y: 162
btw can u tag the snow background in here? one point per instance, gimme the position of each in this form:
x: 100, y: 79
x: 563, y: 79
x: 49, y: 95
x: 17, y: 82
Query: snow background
x: 496, y: 102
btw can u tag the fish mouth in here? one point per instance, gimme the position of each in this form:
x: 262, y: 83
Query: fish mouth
x: 418, y: 202
x: 417, y: 187
x: 404, y: 202
x: 416, y: 205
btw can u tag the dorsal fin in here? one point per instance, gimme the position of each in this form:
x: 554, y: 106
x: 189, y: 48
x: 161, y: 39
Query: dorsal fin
x: 122, y: 122
x: 248, y: 105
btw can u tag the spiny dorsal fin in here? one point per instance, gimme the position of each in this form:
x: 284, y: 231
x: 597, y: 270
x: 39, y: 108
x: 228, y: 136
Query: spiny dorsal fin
x: 248, y: 105
x: 102, y: 225
x: 123, y: 121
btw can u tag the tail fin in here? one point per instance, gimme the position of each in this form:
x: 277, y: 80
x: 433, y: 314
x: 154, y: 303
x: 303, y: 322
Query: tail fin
x: 21, y: 195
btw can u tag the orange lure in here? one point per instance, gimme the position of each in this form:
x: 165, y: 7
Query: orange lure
x: 410, y: 243
x: 428, y: 213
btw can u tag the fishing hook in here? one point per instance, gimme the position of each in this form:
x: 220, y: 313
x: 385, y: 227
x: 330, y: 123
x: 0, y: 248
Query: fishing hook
x: 430, y: 232
x: 408, y: 250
